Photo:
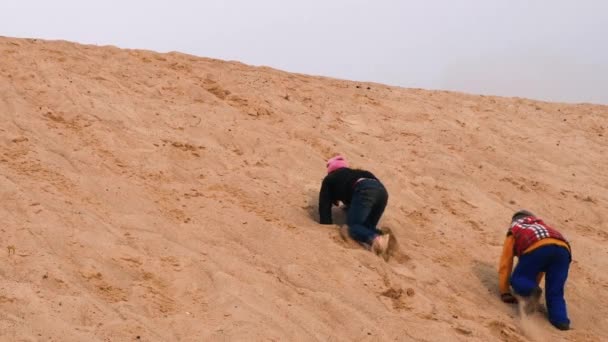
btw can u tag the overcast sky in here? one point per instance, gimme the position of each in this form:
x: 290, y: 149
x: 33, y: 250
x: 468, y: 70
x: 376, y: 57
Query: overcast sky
x: 545, y: 49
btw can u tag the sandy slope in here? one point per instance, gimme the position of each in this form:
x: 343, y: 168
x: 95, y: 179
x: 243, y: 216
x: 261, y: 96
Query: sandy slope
x: 165, y: 197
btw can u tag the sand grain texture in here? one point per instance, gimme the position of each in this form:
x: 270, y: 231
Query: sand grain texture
x: 173, y: 198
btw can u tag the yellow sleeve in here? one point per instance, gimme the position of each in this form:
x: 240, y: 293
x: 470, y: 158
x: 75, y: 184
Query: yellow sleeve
x: 506, y: 265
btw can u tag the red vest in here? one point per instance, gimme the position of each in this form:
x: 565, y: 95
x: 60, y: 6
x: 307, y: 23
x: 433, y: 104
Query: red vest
x: 529, y: 230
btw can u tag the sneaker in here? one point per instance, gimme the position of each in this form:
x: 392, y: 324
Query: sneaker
x: 562, y: 326
x: 380, y: 244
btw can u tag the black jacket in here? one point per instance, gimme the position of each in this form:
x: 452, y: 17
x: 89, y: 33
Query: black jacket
x: 338, y: 186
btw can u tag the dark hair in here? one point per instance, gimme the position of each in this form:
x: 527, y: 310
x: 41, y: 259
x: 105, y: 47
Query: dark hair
x: 521, y: 214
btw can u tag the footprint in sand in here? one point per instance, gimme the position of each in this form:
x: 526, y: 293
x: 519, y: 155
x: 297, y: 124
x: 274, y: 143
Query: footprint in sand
x: 356, y: 124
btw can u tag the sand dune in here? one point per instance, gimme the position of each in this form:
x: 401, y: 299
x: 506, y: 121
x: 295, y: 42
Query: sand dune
x: 167, y: 197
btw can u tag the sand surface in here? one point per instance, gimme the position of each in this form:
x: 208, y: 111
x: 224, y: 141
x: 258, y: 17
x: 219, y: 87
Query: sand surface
x: 167, y: 197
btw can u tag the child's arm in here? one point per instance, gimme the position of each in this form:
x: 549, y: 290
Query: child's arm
x: 325, y: 204
x: 505, y: 268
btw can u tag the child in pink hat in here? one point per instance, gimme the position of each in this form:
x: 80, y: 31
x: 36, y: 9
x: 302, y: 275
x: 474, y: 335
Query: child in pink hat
x: 364, y: 196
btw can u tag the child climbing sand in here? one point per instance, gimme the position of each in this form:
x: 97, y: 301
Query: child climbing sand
x: 365, y: 199
x: 540, y: 249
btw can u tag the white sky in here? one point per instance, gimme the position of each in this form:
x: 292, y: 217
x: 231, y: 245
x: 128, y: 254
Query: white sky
x: 545, y: 49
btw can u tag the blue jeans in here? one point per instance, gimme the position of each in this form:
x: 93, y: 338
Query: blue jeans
x: 366, y: 207
x: 555, y: 262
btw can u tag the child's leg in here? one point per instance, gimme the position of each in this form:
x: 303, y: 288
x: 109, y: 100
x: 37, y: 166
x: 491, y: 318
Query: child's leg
x: 381, y: 199
x: 523, y: 279
x: 360, y: 207
x: 557, y: 273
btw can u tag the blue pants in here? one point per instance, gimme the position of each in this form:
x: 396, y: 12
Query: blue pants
x: 366, y: 207
x: 554, y: 261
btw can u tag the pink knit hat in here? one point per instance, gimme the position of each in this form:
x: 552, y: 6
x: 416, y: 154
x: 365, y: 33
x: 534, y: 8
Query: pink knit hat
x: 335, y: 163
